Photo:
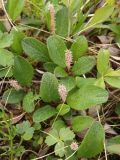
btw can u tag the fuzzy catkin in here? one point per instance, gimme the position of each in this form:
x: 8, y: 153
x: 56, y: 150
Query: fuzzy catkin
x: 52, y: 18
x: 62, y: 92
x: 68, y: 59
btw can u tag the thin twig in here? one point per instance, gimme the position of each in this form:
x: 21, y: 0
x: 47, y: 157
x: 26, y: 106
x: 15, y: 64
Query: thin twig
x: 9, y: 19
x: 4, y: 79
x: 28, y: 151
x: 57, y: 114
x: 50, y: 153
x: 85, y: 4
x: 39, y: 29
x: 51, y: 136
x: 42, y: 30
x: 104, y: 141
x: 71, y: 155
x: 39, y: 71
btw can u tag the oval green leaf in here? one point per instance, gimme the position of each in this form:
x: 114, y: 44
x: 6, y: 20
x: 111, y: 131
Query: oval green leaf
x: 99, y: 17
x: 6, y: 39
x: 83, y: 65
x: 28, y: 102
x: 60, y: 72
x: 80, y: 123
x: 43, y: 113
x: 12, y: 96
x: 49, y: 87
x: 6, y: 58
x: 80, y: 81
x: 35, y: 49
x: 49, y: 66
x: 63, y: 109
x: 62, y: 22
x: 79, y: 47
x: 86, y: 97
x: 103, y: 61
x: 23, y: 71
x: 93, y: 142
x: 14, y: 8
x: 17, y: 39
x: 57, y: 48
x: 113, y: 81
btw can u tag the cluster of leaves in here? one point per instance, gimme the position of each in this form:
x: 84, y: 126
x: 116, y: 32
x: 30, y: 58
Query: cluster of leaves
x: 21, y: 56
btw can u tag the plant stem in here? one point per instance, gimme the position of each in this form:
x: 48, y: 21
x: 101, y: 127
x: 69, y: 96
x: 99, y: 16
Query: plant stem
x: 57, y: 115
x: 69, y: 18
x: 104, y: 141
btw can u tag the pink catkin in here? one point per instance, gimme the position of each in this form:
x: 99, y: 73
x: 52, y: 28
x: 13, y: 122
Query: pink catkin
x: 52, y: 17
x: 68, y: 59
x: 74, y: 146
x: 62, y: 92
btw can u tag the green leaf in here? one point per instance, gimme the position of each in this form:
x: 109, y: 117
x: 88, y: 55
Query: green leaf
x: 17, y: 39
x: 86, y: 97
x: 28, y: 102
x: 12, y: 96
x: 80, y: 81
x: 28, y: 134
x: 44, y: 113
x: 49, y: 87
x: 103, y: 61
x: 79, y: 47
x: 113, y: 81
x: 49, y: 66
x: 52, y: 138
x: 115, y: 28
x: 113, y: 145
x: 55, y: 2
x: 99, y: 17
x: 83, y: 65
x: 115, y: 148
x: 35, y: 49
x: 25, y: 130
x: 2, y: 27
x: 63, y: 109
x: 113, y: 73
x: 100, y: 82
x: 75, y: 5
x: 22, y: 127
x: 113, y: 140
x: 37, y: 126
x: 80, y: 123
x: 69, y: 82
x: 59, y: 149
x: 14, y: 8
x: 60, y: 72
x: 59, y: 124
x: 23, y: 71
x: 6, y: 58
x: 6, y: 40
x: 77, y: 26
x: 110, y: 2
x: 57, y: 48
x: 19, y: 150
x: 6, y: 72
x: 70, y: 152
x: 66, y: 134
x: 92, y: 143
x: 62, y: 22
